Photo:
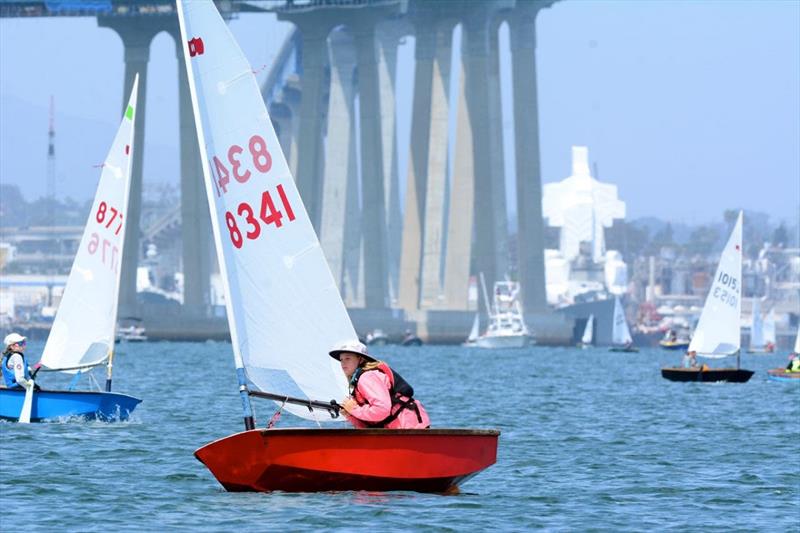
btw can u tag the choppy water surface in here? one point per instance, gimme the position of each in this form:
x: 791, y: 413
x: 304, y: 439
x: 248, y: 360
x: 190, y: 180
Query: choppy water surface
x: 590, y: 440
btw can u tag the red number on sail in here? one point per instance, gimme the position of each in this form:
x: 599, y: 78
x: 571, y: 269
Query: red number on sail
x: 93, y: 243
x: 285, y: 201
x: 233, y: 151
x: 101, y: 212
x: 236, y: 235
x: 120, y: 225
x: 256, y: 231
x: 262, y: 159
x: 113, y: 216
x: 268, y: 212
x: 223, y: 178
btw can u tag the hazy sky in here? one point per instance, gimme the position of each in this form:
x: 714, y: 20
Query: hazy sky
x: 689, y: 107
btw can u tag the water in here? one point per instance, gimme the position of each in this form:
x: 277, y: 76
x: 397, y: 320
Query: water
x: 590, y: 440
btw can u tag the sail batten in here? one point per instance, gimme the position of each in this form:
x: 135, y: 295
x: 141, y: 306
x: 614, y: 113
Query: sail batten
x: 717, y: 333
x: 284, y: 309
x: 84, y: 328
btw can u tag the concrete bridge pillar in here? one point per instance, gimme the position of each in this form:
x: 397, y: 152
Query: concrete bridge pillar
x: 136, y: 41
x: 430, y: 283
x: 522, y: 26
x: 495, y: 152
x: 372, y: 189
x: 459, y: 250
x: 389, y: 33
x: 340, y: 165
x: 314, y: 28
x: 417, y: 177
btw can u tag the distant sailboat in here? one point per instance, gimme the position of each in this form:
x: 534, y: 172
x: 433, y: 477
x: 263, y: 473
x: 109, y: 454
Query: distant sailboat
x: 588, y: 333
x: 621, y: 334
x: 83, y: 331
x: 762, y: 332
x: 284, y: 309
x: 474, y: 332
x: 785, y: 374
x: 718, y: 333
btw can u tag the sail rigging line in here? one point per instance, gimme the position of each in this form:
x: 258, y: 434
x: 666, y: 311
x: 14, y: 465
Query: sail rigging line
x: 249, y: 421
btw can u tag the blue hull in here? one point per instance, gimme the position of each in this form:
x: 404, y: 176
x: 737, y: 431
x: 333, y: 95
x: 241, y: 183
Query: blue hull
x: 49, y: 404
x: 784, y: 378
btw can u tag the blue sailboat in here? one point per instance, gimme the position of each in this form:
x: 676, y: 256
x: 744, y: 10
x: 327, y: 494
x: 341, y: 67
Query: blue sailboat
x: 82, y: 336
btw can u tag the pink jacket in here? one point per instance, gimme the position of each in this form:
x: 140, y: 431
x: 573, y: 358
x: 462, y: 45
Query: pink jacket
x: 375, y: 404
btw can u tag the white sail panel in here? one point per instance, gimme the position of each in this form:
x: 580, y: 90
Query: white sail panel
x: 620, y: 333
x: 770, y: 336
x: 83, y: 330
x: 757, y: 327
x: 475, y: 331
x: 797, y: 342
x: 717, y: 332
x: 588, y: 331
x: 284, y: 308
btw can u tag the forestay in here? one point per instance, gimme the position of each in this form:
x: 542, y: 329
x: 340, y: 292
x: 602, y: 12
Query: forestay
x: 620, y: 333
x: 284, y: 309
x: 83, y: 330
x: 717, y: 333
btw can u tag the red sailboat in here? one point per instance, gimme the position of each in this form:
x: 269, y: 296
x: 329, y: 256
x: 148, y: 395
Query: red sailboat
x: 284, y: 308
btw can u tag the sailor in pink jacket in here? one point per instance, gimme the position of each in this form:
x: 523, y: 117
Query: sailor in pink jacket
x: 379, y: 397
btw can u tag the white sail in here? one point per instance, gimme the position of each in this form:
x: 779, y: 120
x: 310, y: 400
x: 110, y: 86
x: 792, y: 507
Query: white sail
x: 757, y: 328
x: 717, y: 333
x: 83, y: 330
x: 475, y: 331
x: 797, y: 341
x: 770, y: 336
x: 284, y: 309
x: 620, y: 333
x: 588, y: 331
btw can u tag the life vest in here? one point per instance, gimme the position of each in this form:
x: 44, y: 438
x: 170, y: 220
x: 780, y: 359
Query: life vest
x: 398, y: 390
x: 9, y: 377
x: 795, y: 365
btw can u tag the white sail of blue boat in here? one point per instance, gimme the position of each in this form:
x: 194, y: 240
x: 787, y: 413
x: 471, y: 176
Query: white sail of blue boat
x: 83, y: 331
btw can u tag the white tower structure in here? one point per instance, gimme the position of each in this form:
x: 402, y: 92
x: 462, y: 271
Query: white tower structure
x: 582, y: 207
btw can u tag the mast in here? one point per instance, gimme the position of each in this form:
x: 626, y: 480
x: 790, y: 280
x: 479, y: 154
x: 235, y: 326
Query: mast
x: 130, y: 111
x: 247, y: 409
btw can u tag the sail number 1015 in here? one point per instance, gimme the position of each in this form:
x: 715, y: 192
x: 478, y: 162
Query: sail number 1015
x: 721, y: 292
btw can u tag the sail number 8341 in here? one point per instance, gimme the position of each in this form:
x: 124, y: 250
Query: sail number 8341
x: 266, y: 214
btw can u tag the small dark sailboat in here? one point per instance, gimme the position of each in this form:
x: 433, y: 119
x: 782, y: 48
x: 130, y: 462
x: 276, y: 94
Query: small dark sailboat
x: 717, y: 334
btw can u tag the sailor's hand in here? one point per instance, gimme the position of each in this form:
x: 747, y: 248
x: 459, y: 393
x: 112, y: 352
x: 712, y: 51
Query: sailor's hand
x: 349, y: 404
x: 37, y: 366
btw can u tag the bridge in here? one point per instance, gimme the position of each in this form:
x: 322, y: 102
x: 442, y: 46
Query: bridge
x: 331, y: 95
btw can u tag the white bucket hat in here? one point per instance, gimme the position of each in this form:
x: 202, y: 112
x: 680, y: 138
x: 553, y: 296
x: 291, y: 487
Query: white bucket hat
x: 12, y: 338
x: 355, y: 347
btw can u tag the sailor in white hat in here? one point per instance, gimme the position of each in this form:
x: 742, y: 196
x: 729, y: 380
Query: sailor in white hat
x: 15, y: 367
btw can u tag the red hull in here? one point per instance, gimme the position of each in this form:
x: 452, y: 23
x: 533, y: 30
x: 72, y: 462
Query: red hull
x: 314, y: 460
